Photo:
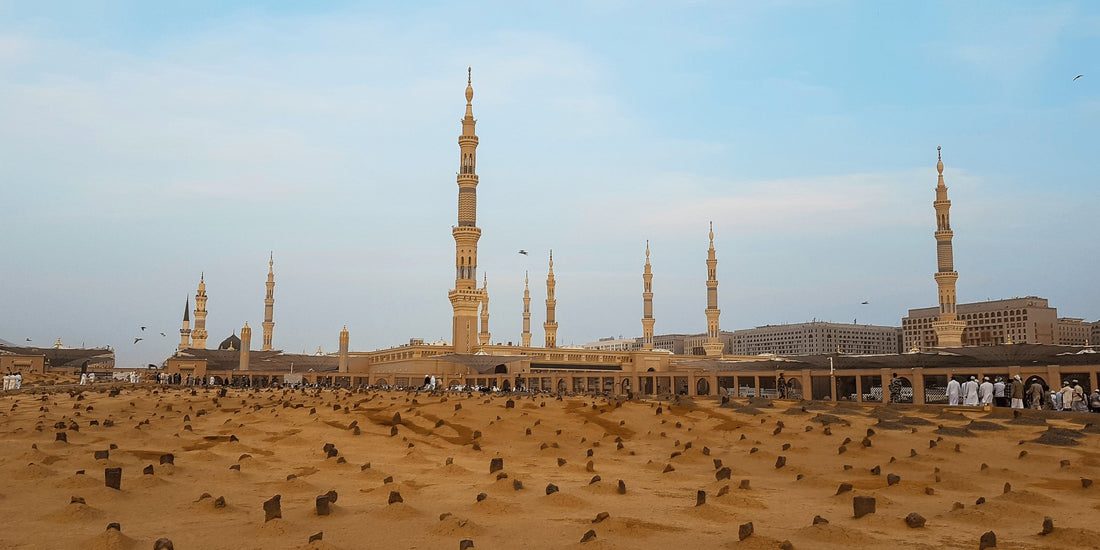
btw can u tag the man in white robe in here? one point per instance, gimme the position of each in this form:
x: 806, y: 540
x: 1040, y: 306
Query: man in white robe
x: 18, y: 380
x: 970, y: 392
x: 985, y: 391
x: 83, y: 379
x: 953, y: 390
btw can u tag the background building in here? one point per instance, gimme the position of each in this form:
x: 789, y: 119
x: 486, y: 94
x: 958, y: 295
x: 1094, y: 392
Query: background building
x: 614, y: 344
x: 1027, y: 320
x: 816, y: 338
x: 1073, y: 332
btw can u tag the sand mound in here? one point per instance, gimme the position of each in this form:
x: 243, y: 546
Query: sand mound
x: 452, y: 526
x: 111, y: 540
x: 833, y: 534
x: 983, y: 426
x: 75, y: 512
x: 953, y: 432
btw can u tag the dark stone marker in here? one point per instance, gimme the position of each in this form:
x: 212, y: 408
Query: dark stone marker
x: 273, y: 508
x: 102, y: 455
x: 114, y: 525
x: 861, y: 506
x: 717, y: 463
x: 465, y: 543
x: 1008, y: 488
x: 818, y: 520
x: 561, y: 462
x: 148, y: 470
x: 316, y: 536
x: 668, y: 468
x: 700, y: 498
x: 722, y: 473
x: 595, y: 479
x: 601, y: 516
x: 988, y: 540
x: 844, y: 488
x: 1063, y: 463
x: 219, y: 502
x: 892, y: 479
x: 1086, y: 483
x: 322, y: 504
x: 76, y: 500
x: 786, y: 545
x: 235, y: 467
x: 744, y: 484
x: 509, y: 404
x: 388, y: 480
x: 61, y: 436
x: 395, y: 497
x: 744, y: 531
x: 622, y: 487
x: 167, y: 459
x: 393, y: 431
x: 588, y: 535
x: 551, y: 488
x: 981, y: 500
x: 112, y: 477
x: 517, y: 485
x: 1048, y: 526
x: 331, y: 452
x: 163, y: 544
x: 780, y: 462
x: 876, y: 470
x: 332, y: 496
x: 482, y: 496
x: 914, y: 520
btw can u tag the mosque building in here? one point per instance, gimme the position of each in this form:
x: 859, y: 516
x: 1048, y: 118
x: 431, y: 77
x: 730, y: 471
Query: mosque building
x: 470, y: 359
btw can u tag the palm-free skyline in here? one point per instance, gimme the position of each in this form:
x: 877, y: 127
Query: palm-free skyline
x: 143, y: 144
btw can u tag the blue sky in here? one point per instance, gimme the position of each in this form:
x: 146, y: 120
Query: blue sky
x: 143, y: 143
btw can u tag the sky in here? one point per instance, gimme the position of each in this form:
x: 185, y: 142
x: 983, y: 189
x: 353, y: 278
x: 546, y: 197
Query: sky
x: 145, y: 143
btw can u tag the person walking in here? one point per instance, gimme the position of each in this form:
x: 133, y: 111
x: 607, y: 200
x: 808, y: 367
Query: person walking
x: 985, y: 391
x: 1066, y: 396
x: 1016, y: 391
x: 1036, y: 393
x: 895, y: 389
x: 999, y: 396
x: 970, y: 392
x: 1078, y: 404
x: 953, y: 391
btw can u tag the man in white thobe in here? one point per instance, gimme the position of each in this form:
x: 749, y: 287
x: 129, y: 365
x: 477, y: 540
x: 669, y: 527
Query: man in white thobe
x: 985, y: 391
x: 18, y: 380
x: 953, y: 390
x: 970, y: 392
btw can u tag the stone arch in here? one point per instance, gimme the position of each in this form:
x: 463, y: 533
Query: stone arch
x: 625, y: 385
x: 500, y: 369
x: 794, y: 388
x: 702, y: 386
x: 650, y: 369
x: 506, y: 385
x: 562, y: 388
x: 381, y: 382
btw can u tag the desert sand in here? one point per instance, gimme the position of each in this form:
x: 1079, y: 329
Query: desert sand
x: 786, y: 462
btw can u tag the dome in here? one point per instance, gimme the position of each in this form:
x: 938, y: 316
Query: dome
x: 231, y: 343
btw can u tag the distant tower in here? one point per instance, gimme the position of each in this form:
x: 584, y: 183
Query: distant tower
x: 246, y: 345
x: 269, y: 304
x: 198, y: 336
x: 465, y: 297
x: 949, y: 329
x: 647, y: 303
x: 344, y: 349
x: 525, y: 337
x: 483, y: 336
x: 550, y: 326
x: 185, y: 331
x: 713, y: 345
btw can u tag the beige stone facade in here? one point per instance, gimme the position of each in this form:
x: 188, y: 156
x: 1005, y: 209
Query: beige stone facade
x: 1028, y: 320
x: 816, y: 338
x: 1073, y: 332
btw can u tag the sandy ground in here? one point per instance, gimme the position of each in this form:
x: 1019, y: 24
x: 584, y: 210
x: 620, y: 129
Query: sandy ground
x: 249, y: 446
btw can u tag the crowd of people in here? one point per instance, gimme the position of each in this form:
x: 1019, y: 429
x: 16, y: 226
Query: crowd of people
x: 13, y: 381
x: 1019, y: 395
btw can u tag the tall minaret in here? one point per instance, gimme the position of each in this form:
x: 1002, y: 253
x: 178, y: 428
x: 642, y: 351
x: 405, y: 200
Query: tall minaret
x: 713, y: 345
x: 948, y: 329
x: 269, y: 304
x: 550, y: 326
x: 483, y: 336
x: 465, y: 297
x: 344, y: 350
x: 246, y: 346
x: 185, y: 331
x: 647, y: 303
x: 525, y: 337
x: 198, y: 336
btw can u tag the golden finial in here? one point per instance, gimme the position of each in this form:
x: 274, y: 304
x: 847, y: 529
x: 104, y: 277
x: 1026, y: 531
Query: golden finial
x: 939, y: 160
x: 245, y: 325
x: 647, y: 249
x: 271, y: 259
x: 469, y: 86
x: 712, y: 234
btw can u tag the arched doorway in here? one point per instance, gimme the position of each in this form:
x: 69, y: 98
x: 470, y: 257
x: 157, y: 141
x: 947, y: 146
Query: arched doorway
x: 702, y: 387
x: 562, y: 388
x: 625, y: 386
x: 381, y: 382
x: 500, y: 369
x: 506, y: 386
x: 794, y: 388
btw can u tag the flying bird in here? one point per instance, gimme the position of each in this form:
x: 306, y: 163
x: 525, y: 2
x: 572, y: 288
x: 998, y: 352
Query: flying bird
x: 136, y: 340
x: 524, y: 252
x: 143, y: 329
x: 28, y: 339
x: 1076, y: 77
x: 865, y: 302
x: 163, y: 334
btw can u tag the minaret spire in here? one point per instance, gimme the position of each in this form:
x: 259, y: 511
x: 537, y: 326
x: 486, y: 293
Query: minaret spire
x: 551, y: 325
x: 198, y: 336
x: 269, y: 304
x: 713, y: 346
x: 525, y: 336
x: 465, y: 297
x: 647, y: 303
x: 185, y: 330
x: 343, y: 365
x: 483, y: 336
x: 246, y: 347
x: 949, y: 329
